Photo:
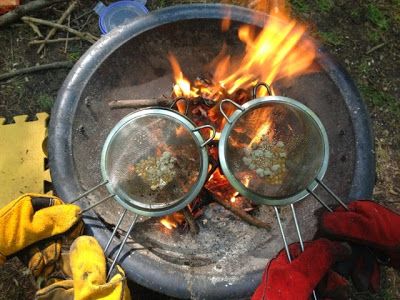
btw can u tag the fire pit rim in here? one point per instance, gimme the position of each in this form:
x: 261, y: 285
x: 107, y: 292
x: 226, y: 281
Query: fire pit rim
x: 60, y: 142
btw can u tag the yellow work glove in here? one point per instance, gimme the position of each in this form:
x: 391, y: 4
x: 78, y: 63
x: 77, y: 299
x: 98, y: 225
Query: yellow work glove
x: 88, y: 270
x: 26, y: 221
x: 44, y: 258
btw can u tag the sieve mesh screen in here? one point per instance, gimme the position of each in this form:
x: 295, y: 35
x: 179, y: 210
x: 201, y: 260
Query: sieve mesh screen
x: 153, y: 160
x: 275, y: 150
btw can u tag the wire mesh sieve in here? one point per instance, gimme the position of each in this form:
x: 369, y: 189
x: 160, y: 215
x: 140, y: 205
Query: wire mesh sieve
x: 273, y: 149
x: 153, y: 160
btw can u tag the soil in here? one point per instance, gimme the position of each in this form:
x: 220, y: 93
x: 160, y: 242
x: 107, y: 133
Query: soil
x: 362, y: 34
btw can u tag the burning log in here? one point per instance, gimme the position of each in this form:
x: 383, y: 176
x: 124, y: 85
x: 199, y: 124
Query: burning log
x: 239, y: 212
x: 138, y: 103
x: 193, y: 227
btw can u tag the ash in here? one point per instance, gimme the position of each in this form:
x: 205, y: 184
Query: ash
x: 226, y: 248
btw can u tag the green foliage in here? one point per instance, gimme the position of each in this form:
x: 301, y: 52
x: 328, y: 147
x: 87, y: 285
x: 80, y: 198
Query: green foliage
x: 74, y: 55
x: 373, y: 36
x: 45, y: 102
x: 364, y: 67
x: 153, y: 5
x: 381, y: 100
x: 300, y: 6
x: 375, y: 15
x: 331, y: 38
x: 325, y: 5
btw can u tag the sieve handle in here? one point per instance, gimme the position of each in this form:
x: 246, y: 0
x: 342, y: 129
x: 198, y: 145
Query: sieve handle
x: 257, y: 86
x: 89, y: 191
x: 212, y: 135
x: 330, y: 192
x: 231, y: 102
x: 181, y: 99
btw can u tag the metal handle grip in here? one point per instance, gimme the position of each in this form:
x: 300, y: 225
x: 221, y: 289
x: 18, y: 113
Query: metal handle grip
x: 214, y: 132
x: 181, y: 99
x: 87, y: 192
x: 256, y: 87
x: 114, y: 263
x: 231, y: 102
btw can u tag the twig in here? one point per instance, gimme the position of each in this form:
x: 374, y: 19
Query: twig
x: 55, y: 65
x: 82, y: 15
x: 214, y: 166
x: 83, y: 35
x: 66, y: 41
x: 193, y: 227
x: 375, y: 48
x: 136, y: 103
x: 11, y: 47
x: 240, y: 213
x: 52, y: 31
x: 25, y: 9
x: 35, y: 29
x: 59, y: 40
x: 86, y: 22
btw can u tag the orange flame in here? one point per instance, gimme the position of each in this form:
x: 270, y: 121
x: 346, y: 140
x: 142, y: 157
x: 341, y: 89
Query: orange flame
x: 172, y: 221
x: 182, y: 85
x: 233, y: 198
x: 278, y: 51
x: 264, y: 126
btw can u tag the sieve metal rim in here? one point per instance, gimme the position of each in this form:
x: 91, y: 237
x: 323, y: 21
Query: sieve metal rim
x: 223, y: 143
x: 178, y: 204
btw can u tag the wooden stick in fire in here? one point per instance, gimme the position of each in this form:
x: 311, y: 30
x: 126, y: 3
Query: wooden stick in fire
x: 137, y: 103
x: 240, y: 213
x: 193, y: 227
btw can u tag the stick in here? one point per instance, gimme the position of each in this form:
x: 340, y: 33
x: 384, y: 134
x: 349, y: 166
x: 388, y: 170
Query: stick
x: 35, y: 29
x: 23, y: 10
x: 375, y: 48
x: 55, y: 65
x: 66, y: 41
x: 83, y: 35
x: 59, y: 40
x: 193, y: 227
x: 240, y: 213
x: 52, y: 31
x: 135, y: 103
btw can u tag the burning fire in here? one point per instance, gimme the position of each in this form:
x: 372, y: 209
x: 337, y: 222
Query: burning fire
x: 276, y: 52
x: 172, y: 221
x: 233, y: 198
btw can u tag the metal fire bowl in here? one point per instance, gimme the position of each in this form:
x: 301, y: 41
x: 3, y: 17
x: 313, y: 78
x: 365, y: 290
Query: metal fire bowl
x: 227, y: 258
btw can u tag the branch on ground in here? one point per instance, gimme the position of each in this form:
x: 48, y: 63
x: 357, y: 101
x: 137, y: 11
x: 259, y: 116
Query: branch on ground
x: 55, y: 65
x: 23, y: 10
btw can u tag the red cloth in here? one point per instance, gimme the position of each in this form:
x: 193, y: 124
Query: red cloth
x: 296, y: 280
x: 366, y: 223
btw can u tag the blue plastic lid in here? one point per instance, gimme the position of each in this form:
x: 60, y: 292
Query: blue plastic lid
x: 118, y: 13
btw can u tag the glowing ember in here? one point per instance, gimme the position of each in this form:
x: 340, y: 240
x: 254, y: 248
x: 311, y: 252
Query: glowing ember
x: 233, y: 198
x: 172, y: 221
x: 217, y: 136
